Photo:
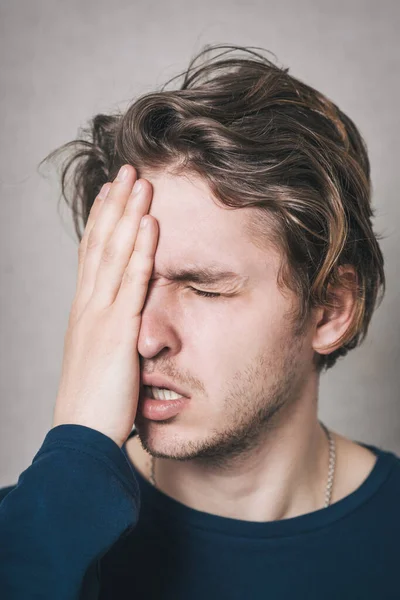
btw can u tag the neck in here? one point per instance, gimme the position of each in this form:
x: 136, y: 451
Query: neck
x: 285, y: 476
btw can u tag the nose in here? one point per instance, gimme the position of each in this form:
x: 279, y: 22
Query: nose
x: 159, y: 323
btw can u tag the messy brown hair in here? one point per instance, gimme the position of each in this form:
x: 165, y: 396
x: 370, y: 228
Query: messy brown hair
x: 259, y: 138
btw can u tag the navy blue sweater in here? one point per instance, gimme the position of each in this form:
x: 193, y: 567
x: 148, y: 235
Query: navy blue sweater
x: 82, y: 523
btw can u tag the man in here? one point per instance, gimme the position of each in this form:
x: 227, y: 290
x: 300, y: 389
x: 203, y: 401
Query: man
x: 257, y: 270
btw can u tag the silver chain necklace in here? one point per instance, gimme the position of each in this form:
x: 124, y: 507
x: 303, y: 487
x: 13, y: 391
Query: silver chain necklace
x: 331, y: 470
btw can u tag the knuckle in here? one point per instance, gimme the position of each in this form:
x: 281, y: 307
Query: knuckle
x: 127, y: 218
x: 81, y: 254
x: 129, y: 277
x: 109, y: 254
x: 138, y: 270
x: 93, y: 242
x: 145, y: 264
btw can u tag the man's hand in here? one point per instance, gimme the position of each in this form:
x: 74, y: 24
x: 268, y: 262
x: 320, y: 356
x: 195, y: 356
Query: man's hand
x: 100, y: 378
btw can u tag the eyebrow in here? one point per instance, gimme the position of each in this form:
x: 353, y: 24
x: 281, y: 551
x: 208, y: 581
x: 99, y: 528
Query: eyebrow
x: 202, y: 275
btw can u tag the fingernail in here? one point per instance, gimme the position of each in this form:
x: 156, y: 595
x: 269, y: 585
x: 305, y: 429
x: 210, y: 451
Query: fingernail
x: 122, y: 174
x: 136, y: 188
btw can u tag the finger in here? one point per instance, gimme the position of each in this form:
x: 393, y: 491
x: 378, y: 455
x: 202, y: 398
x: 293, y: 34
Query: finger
x: 109, y: 215
x: 119, y: 248
x: 94, y: 211
x: 134, y: 284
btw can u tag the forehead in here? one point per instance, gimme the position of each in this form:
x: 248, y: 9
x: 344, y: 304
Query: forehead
x: 194, y: 229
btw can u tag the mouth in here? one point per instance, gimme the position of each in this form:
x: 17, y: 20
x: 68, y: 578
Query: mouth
x: 155, y: 407
x: 156, y: 393
x: 159, y: 382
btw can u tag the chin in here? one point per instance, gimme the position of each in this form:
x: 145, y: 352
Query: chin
x: 170, y: 438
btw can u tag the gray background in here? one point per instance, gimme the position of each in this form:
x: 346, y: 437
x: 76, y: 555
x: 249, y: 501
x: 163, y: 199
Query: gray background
x: 63, y: 62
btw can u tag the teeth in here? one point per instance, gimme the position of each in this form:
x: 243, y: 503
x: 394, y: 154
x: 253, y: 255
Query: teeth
x: 163, y: 394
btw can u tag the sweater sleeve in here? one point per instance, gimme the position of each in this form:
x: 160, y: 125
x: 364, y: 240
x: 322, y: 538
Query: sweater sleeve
x: 77, y: 498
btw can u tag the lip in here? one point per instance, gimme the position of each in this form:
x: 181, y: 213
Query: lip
x: 160, y: 410
x: 163, y: 382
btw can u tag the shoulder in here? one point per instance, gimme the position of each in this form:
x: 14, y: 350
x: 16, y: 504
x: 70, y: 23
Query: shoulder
x: 381, y: 473
x: 363, y: 466
x: 5, y: 490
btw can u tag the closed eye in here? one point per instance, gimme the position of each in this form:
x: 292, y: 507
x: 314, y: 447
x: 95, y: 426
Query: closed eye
x: 204, y: 294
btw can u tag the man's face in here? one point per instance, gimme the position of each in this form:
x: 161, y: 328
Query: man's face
x: 236, y: 354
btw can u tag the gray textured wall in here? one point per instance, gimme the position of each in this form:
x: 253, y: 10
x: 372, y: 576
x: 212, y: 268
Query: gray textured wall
x: 62, y: 62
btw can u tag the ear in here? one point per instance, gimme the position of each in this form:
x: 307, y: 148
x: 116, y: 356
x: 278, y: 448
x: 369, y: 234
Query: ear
x: 332, y: 323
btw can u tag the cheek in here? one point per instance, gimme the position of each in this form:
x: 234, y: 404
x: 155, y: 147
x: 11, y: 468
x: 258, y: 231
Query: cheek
x: 229, y: 324
x: 218, y: 338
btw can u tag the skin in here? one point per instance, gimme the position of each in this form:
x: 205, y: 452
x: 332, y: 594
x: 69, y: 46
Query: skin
x: 249, y: 444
